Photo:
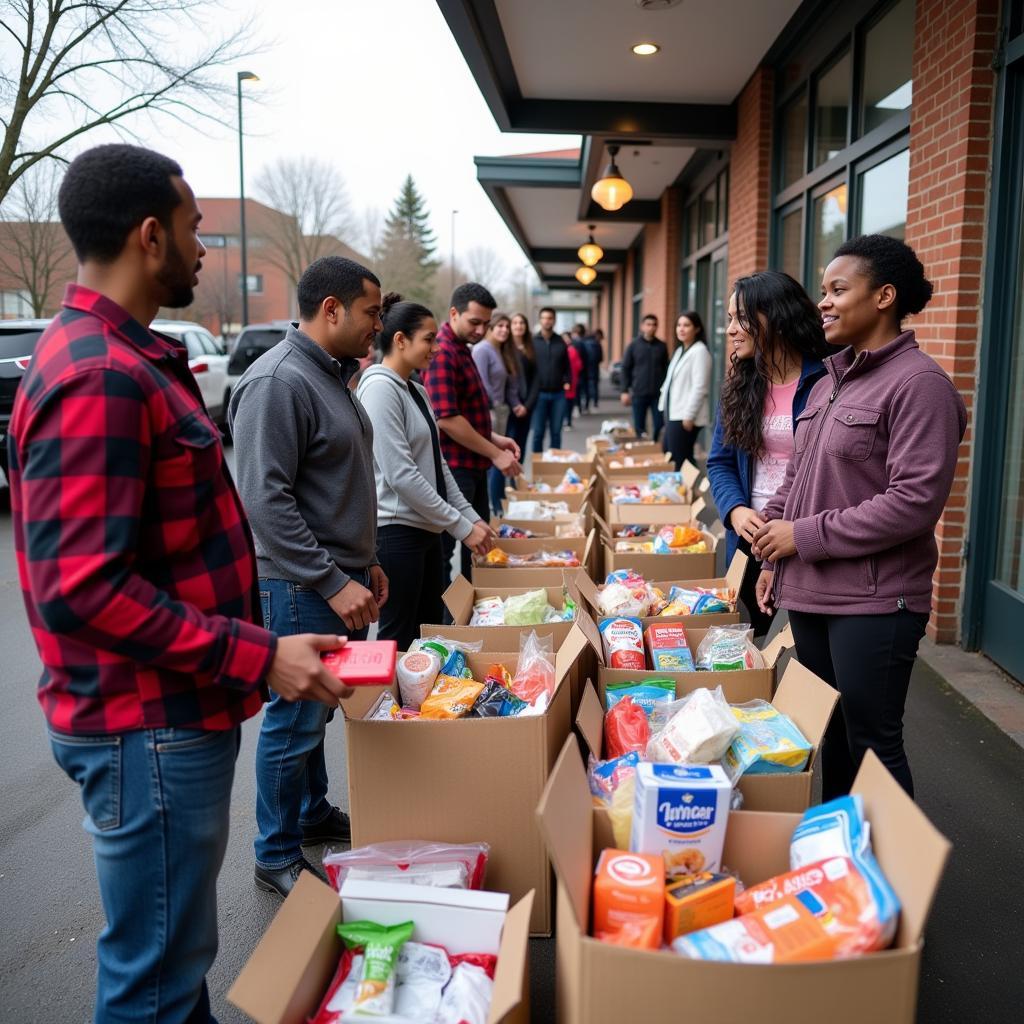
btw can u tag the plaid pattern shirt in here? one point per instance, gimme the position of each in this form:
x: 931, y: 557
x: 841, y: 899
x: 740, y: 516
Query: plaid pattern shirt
x: 135, y: 558
x: 455, y: 389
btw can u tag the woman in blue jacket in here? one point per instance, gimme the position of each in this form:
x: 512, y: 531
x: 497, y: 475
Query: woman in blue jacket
x: 776, y: 346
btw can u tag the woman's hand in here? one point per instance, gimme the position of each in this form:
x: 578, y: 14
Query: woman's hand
x: 745, y: 522
x: 519, y: 411
x: 774, y: 541
x: 763, y: 591
x: 688, y: 425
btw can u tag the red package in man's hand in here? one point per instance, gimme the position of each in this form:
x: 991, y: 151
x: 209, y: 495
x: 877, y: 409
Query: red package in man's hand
x: 363, y: 662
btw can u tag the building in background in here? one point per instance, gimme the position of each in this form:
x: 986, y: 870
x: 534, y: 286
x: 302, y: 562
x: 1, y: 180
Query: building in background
x: 763, y: 134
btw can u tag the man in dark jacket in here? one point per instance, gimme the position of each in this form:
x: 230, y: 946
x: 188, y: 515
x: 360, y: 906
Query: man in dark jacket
x: 595, y: 356
x: 550, y: 382
x: 643, y: 372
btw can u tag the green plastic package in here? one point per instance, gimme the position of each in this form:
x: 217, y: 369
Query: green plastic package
x: 381, y: 944
x: 526, y: 609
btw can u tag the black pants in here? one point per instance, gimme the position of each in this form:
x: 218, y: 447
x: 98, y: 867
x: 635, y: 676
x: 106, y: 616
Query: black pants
x: 760, y: 622
x: 412, y: 561
x: 679, y: 442
x: 519, y: 429
x: 868, y: 659
x: 473, y: 484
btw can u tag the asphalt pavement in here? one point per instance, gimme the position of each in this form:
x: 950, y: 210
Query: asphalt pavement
x: 968, y: 776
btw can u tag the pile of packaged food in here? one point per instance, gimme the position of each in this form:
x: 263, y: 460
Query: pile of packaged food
x: 536, y: 509
x: 498, y: 557
x: 660, y: 489
x: 562, y: 455
x: 669, y: 540
x: 637, y: 461
x: 663, y: 647
x: 530, y: 609
x: 435, y: 682
x: 625, y: 592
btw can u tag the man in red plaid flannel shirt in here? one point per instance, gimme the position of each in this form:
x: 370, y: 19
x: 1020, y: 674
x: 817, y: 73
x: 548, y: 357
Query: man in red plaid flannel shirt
x: 139, y: 577
x: 463, y: 409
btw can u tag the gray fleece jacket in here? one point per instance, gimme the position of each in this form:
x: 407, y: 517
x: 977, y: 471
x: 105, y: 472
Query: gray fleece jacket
x: 403, y: 459
x: 304, y: 462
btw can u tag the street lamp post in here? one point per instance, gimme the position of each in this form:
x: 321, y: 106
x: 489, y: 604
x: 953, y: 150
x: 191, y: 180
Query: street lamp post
x: 243, y: 76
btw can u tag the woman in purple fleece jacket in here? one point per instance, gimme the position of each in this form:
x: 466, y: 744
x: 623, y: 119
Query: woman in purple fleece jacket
x: 849, y: 537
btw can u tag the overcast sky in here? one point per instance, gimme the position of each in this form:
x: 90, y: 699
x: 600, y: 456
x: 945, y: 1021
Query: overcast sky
x: 379, y: 88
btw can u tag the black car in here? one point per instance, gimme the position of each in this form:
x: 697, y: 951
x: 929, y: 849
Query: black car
x: 17, y: 343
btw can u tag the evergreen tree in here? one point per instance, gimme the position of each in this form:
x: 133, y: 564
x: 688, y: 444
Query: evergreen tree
x: 408, y: 245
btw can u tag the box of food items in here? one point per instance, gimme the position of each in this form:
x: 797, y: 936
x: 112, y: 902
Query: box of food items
x: 554, y: 461
x: 459, y: 747
x: 403, y: 932
x: 533, y: 561
x: 574, y: 500
x: 630, y: 463
x: 568, y: 524
x: 790, y: 918
x: 648, y: 498
x: 681, y: 550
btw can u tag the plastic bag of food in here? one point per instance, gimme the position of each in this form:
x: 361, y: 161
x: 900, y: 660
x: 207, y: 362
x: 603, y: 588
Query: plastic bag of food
x: 467, y: 997
x: 626, y: 729
x: 496, y: 556
x: 488, y: 611
x: 534, y: 681
x: 450, y: 697
x: 834, y: 829
x: 421, y: 974
x: 442, y: 865
x: 510, y: 532
x: 618, y: 599
x: 768, y: 742
x: 699, y: 732
x: 381, y: 944
x: 606, y: 776
x: 634, y: 547
x: 673, y: 539
x: 647, y: 693
x: 698, y: 601
x: 623, y: 642
x: 495, y: 701
x: 340, y: 997
x: 417, y: 671
x: 636, y: 530
x: 728, y: 649
x: 526, y: 609
x: 385, y: 709
x: 571, y: 483
x: 573, y: 528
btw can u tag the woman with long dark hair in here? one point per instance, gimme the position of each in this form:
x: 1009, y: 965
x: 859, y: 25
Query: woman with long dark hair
x: 684, y: 395
x: 526, y: 366
x: 849, y: 540
x: 777, y: 346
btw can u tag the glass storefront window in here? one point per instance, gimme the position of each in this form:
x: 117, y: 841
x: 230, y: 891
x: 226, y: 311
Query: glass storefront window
x: 791, y: 231
x: 888, y: 46
x: 831, y: 110
x: 829, y: 228
x: 692, y: 229
x: 792, y: 141
x: 707, y: 215
x: 723, y: 202
x: 883, y: 197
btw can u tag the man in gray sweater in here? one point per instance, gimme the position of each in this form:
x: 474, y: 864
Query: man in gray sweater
x: 304, y: 460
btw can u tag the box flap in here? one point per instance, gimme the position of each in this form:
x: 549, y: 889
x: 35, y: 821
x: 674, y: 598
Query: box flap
x: 602, y: 525
x: 697, y: 508
x: 690, y: 473
x: 291, y: 966
x: 590, y: 719
x: 737, y: 568
x: 572, y: 647
x: 588, y: 548
x: 704, y: 486
x: 566, y: 821
x: 587, y: 588
x: 590, y: 631
x: 510, y: 972
x: 911, y: 851
x: 458, y: 595
x: 782, y: 642
x: 807, y: 699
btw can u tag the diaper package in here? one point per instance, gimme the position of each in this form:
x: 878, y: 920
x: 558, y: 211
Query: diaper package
x: 768, y: 742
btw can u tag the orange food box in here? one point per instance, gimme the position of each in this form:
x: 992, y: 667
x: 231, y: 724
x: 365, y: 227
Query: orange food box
x: 629, y: 896
x: 698, y: 901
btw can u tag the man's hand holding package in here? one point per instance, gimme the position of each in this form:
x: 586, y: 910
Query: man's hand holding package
x: 355, y: 605
x: 297, y: 673
x: 480, y: 539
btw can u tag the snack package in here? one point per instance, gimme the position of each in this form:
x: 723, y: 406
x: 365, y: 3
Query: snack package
x: 421, y: 974
x: 488, y: 611
x: 629, y: 889
x: 385, y: 709
x: 450, y: 697
x: 340, y: 997
x: 442, y: 865
x: 506, y: 530
x: 534, y: 681
x: 467, y: 997
x: 571, y: 483
x: 626, y: 729
x: 526, y: 609
x: 697, y: 901
x: 699, y: 732
x: 605, y: 777
x: 375, y: 992
x: 634, y: 547
x: 417, y: 671
x: 673, y: 540
x: 495, y: 701
x: 648, y: 693
x: 618, y: 599
x: 667, y: 647
x: 681, y: 812
x: 622, y: 640
x: 698, y: 601
x: 768, y: 742
x: 728, y: 649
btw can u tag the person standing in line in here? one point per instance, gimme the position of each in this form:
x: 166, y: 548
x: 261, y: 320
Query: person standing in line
x: 463, y: 412
x: 593, y: 355
x: 576, y: 381
x: 526, y: 368
x: 849, y: 538
x: 417, y: 496
x: 138, y: 574
x: 304, y: 459
x: 684, y: 395
x: 778, y: 345
x: 551, y: 382
x: 644, y: 365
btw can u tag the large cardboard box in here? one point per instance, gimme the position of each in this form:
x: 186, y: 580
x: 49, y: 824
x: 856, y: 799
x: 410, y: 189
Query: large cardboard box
x: 648, y: 462
x: 285, y: 979
x: 551, y: 467
x: 684, y: 566
x: 465, y: 780
x: 575, y: 500
x: 597, y: 983
x: 535, y: 576
x: 805, y: 698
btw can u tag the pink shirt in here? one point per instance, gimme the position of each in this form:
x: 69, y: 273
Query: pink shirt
x: 777, y: 427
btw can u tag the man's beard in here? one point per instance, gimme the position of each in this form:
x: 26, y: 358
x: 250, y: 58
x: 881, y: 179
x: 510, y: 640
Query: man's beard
x: 176, y: 278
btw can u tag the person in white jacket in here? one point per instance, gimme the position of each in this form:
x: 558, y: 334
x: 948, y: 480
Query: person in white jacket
x: 684, y: 395
x: 417, y: 496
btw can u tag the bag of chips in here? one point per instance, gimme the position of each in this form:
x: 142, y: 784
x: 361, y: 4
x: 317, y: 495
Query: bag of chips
x: 606, y: 776
x: 450, y: 697
x: 768, y: 742
x: 381, y: 944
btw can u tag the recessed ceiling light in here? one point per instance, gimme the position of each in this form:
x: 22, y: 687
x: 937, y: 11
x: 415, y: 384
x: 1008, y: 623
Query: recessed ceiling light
x: 646, y: 49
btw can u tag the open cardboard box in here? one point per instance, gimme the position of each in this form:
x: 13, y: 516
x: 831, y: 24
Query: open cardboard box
x: 597, y: 983
x: 548, y: 467
x: 546, y: 527
x: 285, y: 979
x: 463, y: 780
x: 648, y: 462
x: 575, y: 500
x: 651, y: 517
x: 506, y: 576
x: 805, y: 698
x: 684, y: 566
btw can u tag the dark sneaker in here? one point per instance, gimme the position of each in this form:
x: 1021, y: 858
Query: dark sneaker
x: 282, y: 881
x: 335, y: 828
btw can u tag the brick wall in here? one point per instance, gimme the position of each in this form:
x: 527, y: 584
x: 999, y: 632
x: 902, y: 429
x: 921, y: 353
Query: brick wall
x: 950, y: 144
x: 750, y: 178
x: 662, y: 248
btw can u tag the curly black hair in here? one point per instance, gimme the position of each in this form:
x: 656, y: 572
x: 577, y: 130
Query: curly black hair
x: 790, y: 330
x: 891, y: 261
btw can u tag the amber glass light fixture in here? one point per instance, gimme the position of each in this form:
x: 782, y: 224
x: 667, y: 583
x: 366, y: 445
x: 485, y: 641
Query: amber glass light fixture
x: 611, y: 191
x: 586, y: 275
x: 590, y: 253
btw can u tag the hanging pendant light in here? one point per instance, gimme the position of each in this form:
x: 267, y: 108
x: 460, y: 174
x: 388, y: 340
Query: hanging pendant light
x: 590, y: 253
x: 611, y: 191
x: 585, y: 275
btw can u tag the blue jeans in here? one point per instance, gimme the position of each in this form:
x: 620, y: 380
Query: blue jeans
x: 593, y: 388
x: 291, y: 773
x: 157, y: 807
x: 496, y: 481
x: 549, y: 412
x: 640, y: 406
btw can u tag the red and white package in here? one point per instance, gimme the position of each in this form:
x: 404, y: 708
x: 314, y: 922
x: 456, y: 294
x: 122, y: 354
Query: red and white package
x: 443, y: 865
x: 623, y: 641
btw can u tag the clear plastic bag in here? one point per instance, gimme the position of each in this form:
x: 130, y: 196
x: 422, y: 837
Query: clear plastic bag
x: 534, y: 680
x: 443, y: 865
x: 698, y: 732
x: 728, y: 649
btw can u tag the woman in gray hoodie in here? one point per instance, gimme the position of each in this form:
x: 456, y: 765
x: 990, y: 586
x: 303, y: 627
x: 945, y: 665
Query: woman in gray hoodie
x: 417, y: 497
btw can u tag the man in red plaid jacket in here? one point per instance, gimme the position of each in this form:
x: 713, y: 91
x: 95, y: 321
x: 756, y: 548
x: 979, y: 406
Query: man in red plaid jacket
x: 139, y: 577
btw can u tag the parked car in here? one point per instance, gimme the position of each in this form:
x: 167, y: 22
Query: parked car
x: 17, y: 343
x: 206, y: 359
x: 616, y: 375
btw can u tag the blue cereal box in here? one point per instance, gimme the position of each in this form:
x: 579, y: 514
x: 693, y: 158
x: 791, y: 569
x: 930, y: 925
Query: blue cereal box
x: 681, y: 812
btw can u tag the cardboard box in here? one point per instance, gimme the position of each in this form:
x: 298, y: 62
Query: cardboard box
x: 575, y: 501
x: 545, y: 527
x: 290, y: 969
x: 805, y: 698
x: 597, y: 983
x: 548, y: 467
x: 692, y: 565
x: 534, y: 576
x: 659, y: 461
x: 462, y: 781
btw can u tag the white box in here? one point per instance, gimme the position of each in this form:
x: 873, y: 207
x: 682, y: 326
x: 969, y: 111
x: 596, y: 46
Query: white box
x: 681, y: 812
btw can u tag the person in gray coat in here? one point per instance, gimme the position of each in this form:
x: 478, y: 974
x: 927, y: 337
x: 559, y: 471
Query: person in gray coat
x: 417, y: 497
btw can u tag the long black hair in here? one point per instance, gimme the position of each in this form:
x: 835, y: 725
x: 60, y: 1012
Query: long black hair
x: 698, y: 324
x: 398, y: 315
x: 791, y: 325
